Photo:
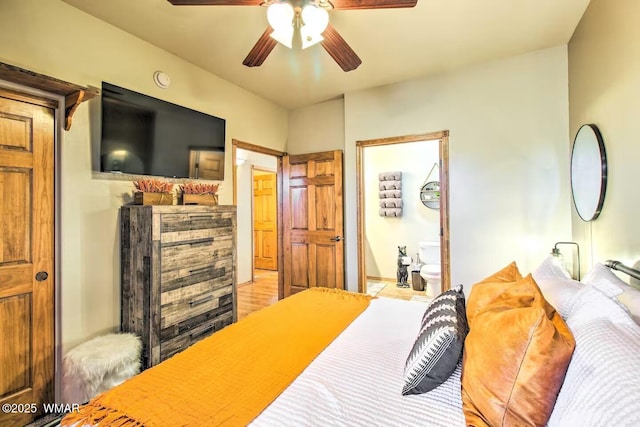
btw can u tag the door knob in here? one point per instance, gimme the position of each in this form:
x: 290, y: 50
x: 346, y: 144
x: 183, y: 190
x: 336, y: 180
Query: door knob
x: 336, y: 239
x: 41, y: 276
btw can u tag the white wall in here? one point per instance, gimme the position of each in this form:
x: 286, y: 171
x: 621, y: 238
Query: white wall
x: 245, y: 208
x: 53, y: 38
x: 604, y: 89
x: 383, y: 235
x: 509, y: 151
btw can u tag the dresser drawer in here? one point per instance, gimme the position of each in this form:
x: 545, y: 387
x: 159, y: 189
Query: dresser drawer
x: 207, y: 323
x: 185, y: 303
x: 195, y: 253
x: 188, y: 226
x: 218, y: 271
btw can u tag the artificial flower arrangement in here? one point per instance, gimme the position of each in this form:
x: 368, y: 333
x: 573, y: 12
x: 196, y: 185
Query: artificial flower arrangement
x: 198, y: 188
x: 195, y: 193
x: 153, y: 191
x: 153, y: 186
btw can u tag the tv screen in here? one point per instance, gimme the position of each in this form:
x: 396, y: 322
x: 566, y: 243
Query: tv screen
x: 147, y: 136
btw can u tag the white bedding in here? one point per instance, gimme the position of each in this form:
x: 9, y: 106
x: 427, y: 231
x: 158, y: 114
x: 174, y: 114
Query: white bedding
x: 601, y: 387
x: 357, y: 379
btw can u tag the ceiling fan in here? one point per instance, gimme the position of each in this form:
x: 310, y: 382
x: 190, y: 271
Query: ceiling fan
x: 309, y: 17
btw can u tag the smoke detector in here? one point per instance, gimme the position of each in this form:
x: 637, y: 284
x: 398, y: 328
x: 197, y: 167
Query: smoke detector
x: 161, y: 79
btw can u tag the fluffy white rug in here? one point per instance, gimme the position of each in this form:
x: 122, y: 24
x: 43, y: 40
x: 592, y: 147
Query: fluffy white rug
x: 98, y: 365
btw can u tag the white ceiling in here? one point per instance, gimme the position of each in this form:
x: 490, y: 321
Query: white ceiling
x: 394, y: 44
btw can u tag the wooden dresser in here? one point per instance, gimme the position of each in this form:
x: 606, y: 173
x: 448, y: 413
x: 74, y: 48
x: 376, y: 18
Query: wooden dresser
x: 177, y: 275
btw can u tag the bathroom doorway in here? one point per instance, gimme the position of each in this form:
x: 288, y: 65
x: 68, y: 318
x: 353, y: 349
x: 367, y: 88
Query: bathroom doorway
x: 422, y: 159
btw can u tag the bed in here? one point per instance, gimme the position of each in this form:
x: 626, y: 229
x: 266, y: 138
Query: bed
x: 357, y: 376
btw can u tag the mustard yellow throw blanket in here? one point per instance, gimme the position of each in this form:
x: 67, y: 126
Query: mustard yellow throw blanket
x: 228, y: 378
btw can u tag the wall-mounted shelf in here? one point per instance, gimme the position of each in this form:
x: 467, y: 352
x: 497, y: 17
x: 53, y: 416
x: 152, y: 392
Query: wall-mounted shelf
x: 430, y: 194
x: 74, y: 95
x: 430, y: 191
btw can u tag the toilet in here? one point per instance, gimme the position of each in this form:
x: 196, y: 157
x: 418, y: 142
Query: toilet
x: 429, y: 252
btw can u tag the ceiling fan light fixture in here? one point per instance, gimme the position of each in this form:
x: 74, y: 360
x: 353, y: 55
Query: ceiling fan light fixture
x: 315, y: 18
x: 280, y: 17
x: 309, y: 38
x: 284, y: 36
x: 314, y: 22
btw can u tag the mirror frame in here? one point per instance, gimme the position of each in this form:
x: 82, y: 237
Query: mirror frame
x: 593, y: 132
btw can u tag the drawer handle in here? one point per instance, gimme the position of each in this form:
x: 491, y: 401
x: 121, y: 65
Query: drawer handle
x: 201, y: 333
x: 201, y: 301
x: 199, y: 270
x: 200, y: 216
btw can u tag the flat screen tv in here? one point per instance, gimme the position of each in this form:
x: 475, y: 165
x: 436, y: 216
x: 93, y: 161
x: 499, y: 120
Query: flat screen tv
x: 142, y: 135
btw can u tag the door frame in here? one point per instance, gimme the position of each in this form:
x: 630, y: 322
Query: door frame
x: 443, y: 137
x: 235, y: 144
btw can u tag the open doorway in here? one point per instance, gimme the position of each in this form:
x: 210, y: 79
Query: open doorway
x: 265, y: 234
x: 257, y: 178
x: 419, y: 225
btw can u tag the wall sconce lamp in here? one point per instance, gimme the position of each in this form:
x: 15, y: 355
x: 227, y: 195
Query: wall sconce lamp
x: 556, y: 253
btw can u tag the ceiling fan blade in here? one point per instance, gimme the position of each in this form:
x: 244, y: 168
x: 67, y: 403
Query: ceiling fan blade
x: 216, y: 2
x: 371, y: 4
x: 339, y: 50
x: 261, y: 49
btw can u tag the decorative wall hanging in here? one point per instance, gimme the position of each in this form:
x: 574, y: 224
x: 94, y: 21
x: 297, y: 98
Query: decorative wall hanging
x: 430, y: 191
x: 390, y: 187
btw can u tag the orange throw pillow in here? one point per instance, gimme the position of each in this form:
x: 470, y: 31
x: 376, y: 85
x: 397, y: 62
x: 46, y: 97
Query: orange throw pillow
x: 515, y: 358
x: 484, y: 292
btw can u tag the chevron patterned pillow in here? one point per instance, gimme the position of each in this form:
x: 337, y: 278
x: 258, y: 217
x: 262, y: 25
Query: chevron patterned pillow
x: 438, y: 348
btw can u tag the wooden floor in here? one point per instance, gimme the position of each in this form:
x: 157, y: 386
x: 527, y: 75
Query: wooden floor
x: 261, y: 293
x: 392, y: 291
x: 264, y: 292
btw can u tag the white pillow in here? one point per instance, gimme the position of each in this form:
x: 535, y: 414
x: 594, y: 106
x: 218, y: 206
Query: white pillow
x: 605, y: 280
x: 556, y: 285
x: 550, y: 269
x: 601, y: 385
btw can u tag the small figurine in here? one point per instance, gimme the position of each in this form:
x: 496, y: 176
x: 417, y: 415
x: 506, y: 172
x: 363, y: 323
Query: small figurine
x: 403, y: 274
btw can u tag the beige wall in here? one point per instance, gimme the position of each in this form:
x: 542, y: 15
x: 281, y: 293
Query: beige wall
x: 319, y: 127
x: 53, y: 38
x: 604, y: 89
x: 383, y: 235
x: 509, y: 154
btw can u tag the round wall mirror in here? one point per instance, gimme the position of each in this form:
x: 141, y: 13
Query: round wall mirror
x: 588, y: 172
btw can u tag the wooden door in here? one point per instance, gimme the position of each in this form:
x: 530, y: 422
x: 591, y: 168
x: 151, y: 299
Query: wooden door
x: 26, y: 258
x: 206, y: 164
x: 312, y: 218
x: 265, y: 233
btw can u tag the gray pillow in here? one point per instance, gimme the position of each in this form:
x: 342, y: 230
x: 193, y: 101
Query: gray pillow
x: 438, y: 348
